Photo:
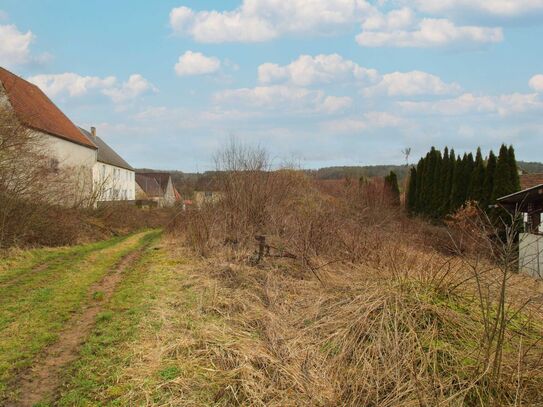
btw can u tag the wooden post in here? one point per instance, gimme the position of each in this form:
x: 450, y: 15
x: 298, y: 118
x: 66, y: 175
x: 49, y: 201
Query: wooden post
x: 261, y: 239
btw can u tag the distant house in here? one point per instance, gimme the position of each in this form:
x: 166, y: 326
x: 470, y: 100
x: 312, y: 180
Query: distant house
x: 67, y: 147
x: 157, y: 187
x: 529, y: 202
x: 206, y: 197
x: 114, y: 179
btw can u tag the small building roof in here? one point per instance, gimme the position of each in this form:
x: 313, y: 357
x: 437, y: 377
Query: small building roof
x: 35, y: 110
x: 530, y: 180
x: 106, y: 154
x: 527, y: 200
x: 161, y: 178
x: 149, y: 185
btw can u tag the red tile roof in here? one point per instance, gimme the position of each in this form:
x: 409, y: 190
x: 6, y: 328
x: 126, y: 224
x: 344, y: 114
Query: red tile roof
x: 35, y: 110
x: 530, y: 180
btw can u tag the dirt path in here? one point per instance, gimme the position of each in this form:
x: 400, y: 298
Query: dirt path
x: 44, y: 378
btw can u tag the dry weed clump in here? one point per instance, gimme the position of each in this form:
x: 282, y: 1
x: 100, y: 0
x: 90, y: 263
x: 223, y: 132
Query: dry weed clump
x: 355, y: 304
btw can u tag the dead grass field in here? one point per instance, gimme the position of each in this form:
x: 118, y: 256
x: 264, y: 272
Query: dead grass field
x: 349, y: 303
x: 198, y: 332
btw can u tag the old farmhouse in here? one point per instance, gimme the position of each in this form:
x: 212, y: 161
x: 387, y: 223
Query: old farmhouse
x: 102, y: 174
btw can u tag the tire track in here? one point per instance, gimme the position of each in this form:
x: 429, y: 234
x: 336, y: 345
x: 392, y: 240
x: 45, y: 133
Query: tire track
x: 43, y: 380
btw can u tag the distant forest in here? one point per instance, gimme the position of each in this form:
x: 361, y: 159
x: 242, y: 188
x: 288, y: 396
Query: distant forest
x: 187, y: 182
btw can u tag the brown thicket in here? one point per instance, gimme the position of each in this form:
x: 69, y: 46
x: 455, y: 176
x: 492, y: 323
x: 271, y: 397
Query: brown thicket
x: 356, y: 304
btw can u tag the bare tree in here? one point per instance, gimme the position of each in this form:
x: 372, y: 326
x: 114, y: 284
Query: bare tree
x: 406, y: 152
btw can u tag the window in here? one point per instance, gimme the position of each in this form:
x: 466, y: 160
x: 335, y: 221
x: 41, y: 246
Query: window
x: 54, y: 165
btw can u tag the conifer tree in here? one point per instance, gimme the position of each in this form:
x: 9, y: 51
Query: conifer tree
x: 391, y: 182
x: 443, y: 181
x: 488, y: 186
x: 477, y: 178
x: 462, y: 177
x: 503, y: 182
x: 435, y: 200
x: 411, y: 199
x: 515, y: 178
x: 428, y: 182
x: 420, y: 171
x: 449, y: 182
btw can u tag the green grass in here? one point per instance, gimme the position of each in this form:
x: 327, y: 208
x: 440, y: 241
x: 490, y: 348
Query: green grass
x: 42, y: 289
x: 152, y: 308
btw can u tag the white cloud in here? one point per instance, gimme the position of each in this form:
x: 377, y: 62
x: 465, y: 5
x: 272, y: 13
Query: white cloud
x: 411, y: 84
x: 320, y: 69
x: 135, y: 86
x: 468, y: 103
x: 74, y: 85
x: 498, y: 8
x: 14, y: 46
x: 282, y: 97
x: 70, y: 83
x: 332, y: 104
x: 369, y: 120
x: 196, y: 63
x: 429, y: 32
x: 263, y: 20
x: 399, y: 19
x: 536, y: 83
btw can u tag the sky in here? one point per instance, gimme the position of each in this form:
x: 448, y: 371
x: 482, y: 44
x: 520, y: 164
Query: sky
x: 319, y: 82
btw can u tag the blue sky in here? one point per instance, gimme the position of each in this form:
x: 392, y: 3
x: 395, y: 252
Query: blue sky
x: 324, y: 82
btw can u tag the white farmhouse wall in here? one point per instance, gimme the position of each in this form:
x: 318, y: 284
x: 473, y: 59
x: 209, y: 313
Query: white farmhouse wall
x: 531, y: 254
x: 114, y: 183
x: 68, y: 154
x: 75, y: 163
x: 169, y: 194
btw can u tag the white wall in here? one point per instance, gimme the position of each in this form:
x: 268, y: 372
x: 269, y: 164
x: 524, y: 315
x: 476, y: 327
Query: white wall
x: 116, y: 184
x: 531, y: 254
x: 68, y: 154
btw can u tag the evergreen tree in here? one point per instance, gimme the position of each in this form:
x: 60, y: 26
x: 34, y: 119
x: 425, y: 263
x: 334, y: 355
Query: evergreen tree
x: 420, y: 171
x: 391, y: 183
x: 515, y: 179
x: 435, y: 198
x: 428, y: 184
x: 443, y: 181
x: 449, y: 182
x: 488, y: 186
x: 503, y: 182
x: 411, y: 199
x: 462, y: 178
x: 477, y: 178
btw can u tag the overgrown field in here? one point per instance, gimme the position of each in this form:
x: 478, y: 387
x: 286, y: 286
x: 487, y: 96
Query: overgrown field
x: 282, y: 292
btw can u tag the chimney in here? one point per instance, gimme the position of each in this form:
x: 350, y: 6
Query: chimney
x: 93, y: 132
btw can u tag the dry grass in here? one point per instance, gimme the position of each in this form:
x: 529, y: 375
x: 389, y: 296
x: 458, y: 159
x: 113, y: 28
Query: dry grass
x: 396, y: 328
x: 370, y: 308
